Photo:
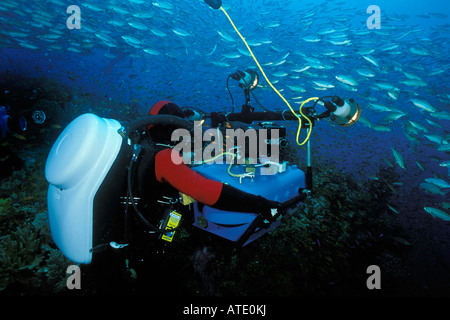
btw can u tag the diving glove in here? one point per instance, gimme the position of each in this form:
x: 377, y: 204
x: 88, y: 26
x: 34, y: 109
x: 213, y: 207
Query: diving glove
x: 273, y: 212
x: 232, y: 199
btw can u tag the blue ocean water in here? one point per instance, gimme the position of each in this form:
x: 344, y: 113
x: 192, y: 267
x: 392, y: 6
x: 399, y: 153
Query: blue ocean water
x: 136, y: 52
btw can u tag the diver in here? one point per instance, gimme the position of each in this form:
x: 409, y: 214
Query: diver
x: 10, y: 122
x: 182, y: 178
x: 109, y: 180
x: 14, y: 123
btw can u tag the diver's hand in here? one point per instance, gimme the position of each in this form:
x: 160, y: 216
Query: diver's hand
x: 232, y: 199
x: 271, y: 209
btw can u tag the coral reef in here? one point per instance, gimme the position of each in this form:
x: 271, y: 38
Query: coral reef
x: 27, y: 254
x: 324, y: 247
x: 19, y: 252
x: 201, y: 261
x: 26, y: 92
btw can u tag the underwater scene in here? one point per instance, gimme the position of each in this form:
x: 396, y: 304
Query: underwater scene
x: 376, y: 218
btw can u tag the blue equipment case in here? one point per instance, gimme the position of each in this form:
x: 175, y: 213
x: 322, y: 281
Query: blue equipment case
x: 232, y: 225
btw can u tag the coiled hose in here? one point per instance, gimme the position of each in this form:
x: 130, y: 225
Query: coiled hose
x: 138, y: 124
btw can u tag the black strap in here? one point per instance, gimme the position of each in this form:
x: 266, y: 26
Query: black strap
x: 233, y: 199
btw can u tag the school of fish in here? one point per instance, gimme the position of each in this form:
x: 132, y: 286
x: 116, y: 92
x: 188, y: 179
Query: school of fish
x: 398, y: 74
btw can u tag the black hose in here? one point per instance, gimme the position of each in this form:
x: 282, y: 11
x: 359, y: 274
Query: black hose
x: 160, y: 119
x: 131, y: 171
x: 139, y: 215
x: 231, y: 96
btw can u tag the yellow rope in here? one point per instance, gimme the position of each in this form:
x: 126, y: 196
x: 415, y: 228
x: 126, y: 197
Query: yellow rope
x: 309, y: 121
x: 281, y: 96
x: 231, y: 163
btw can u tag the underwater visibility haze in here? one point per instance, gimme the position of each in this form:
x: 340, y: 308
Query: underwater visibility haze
x: 380, y: 186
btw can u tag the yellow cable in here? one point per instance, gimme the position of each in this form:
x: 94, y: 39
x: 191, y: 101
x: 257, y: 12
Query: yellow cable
x: 309, y: 121
x: 231, y: 163
x: 281, y: 96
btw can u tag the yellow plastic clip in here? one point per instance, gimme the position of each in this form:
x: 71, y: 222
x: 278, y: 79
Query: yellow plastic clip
x: 185, y: 199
